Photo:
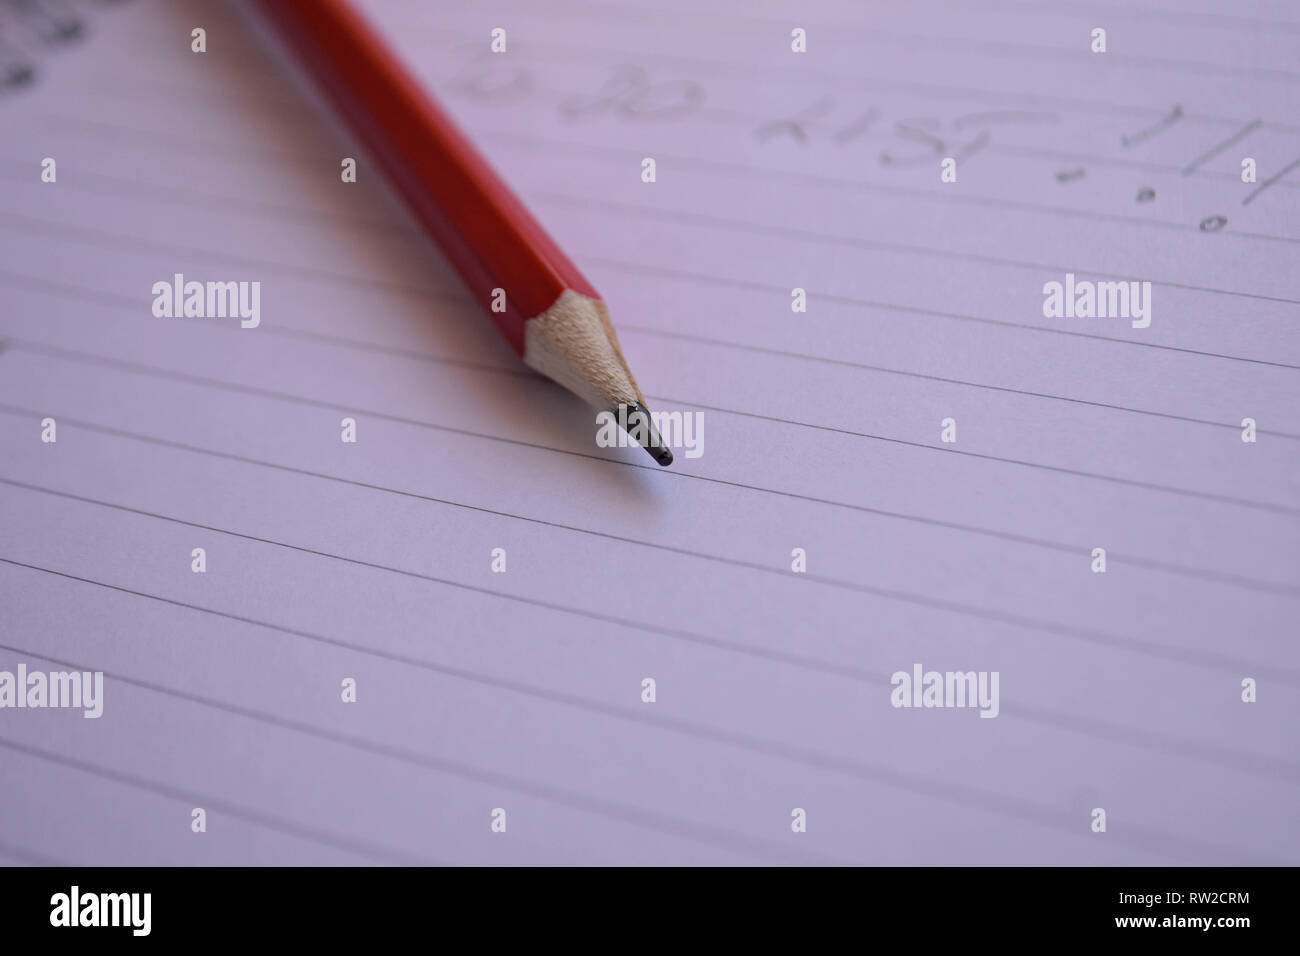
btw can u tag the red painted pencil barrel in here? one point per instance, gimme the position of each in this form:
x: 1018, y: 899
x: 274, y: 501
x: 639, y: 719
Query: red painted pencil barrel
x: 480, y: 225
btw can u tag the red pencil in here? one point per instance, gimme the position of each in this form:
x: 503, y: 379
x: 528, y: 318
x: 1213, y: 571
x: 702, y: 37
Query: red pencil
x: 552, y: 316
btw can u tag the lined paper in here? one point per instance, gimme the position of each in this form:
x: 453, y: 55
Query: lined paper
x: 522, y: 690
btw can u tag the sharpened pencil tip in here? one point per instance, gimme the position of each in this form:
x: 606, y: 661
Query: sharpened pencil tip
x: 661, y: 455
x: 640, y: 427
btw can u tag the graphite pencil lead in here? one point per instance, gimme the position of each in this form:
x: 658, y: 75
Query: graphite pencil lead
x: 640, y: 427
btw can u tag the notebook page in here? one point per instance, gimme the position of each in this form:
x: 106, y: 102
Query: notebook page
x: 372, y: 561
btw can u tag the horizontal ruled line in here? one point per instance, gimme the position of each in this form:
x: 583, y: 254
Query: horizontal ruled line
x: 966, y: 796
x: 148, y: 50
x: 729, y: 21
x: 636, y: 268
x: 622, y: 813
x: 192, y: 798
x: 1255, y: 584
x: 862, y: 242
x: 294, y: 112
x: 1061, y: 630
x: 1127, y: 10
x: 840, y: 185
x: 144, y: 369
x: 1236, y: 759
x: 415, y: 236
x: 125, y: 303
x: 29, y: 857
